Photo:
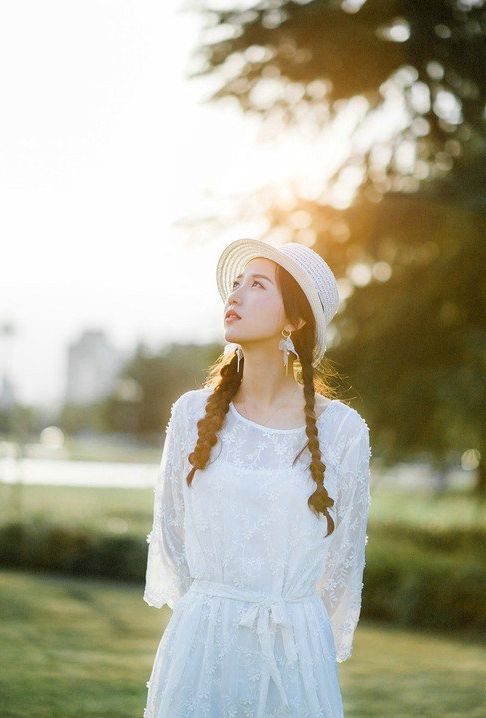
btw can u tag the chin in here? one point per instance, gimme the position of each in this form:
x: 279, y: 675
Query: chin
x: 231, y: 337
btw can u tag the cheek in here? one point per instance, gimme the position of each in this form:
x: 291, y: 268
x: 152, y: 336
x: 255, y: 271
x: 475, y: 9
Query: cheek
x: 268, y: 311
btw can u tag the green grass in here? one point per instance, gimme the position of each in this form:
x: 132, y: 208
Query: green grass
x: 84, y: 649
x: 72, y: 648
x: 102, y: 448
x: 452, y: 509
x: 102, y: 509
x: 403, y: 673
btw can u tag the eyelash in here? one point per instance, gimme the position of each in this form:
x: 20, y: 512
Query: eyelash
x: 255, y: 280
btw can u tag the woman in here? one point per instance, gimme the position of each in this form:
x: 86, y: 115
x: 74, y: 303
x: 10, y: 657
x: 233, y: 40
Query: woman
x: 260, y: 511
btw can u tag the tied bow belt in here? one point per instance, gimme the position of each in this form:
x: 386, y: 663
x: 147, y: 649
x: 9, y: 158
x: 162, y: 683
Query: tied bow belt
x: 267, y: 608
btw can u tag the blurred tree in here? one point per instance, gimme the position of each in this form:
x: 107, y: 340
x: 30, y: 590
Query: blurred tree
x: 75, y: 418
x: 293, y: 61
x: 19, y: 421
x: 148, y: 385
x: 409, y: 251
x: 161, y: 378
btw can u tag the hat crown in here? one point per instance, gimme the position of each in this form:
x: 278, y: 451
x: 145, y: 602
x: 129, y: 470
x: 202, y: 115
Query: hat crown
x: 318, y: 272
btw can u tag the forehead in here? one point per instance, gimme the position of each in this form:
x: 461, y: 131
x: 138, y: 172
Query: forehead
x: 259, y: 265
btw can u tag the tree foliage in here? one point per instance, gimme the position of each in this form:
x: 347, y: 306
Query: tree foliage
x: 409, y: 250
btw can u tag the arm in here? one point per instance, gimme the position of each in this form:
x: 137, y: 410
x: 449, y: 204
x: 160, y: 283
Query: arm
x: 341, y: 583
x: 167, y: 574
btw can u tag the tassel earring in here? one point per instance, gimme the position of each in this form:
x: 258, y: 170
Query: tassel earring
x: 287, y: 346
x: 236, y: 349
x: 239, y: 354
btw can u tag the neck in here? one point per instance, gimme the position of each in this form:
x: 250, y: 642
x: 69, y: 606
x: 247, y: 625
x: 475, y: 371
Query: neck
x: 264, y: 382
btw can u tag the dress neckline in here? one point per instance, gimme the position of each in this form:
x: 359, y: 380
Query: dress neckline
x: 274, y: 430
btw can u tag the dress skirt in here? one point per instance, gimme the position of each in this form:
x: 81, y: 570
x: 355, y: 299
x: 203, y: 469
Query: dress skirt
x: 231, y: 653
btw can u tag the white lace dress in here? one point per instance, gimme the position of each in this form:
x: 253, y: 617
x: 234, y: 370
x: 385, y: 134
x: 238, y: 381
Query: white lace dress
x: 263, y: 605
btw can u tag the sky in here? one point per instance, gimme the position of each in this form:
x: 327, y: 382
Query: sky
x: 111, y: 168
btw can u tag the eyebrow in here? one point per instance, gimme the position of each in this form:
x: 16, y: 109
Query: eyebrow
x: 263, y: 276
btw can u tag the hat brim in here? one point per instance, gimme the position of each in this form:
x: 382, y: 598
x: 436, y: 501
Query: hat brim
x: 237, y: 254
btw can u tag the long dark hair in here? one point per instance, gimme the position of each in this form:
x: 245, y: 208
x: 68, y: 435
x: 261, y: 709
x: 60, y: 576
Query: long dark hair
x: 224, y: 379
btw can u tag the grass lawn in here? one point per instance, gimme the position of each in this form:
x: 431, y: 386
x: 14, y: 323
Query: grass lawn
x: 73, y: 648
x: 104, y: 509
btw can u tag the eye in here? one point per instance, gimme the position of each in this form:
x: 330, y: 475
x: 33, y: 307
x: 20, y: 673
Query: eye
x: 255, y: 281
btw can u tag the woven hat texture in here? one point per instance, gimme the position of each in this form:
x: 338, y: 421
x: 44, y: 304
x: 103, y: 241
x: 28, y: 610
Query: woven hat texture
x: 308, y: 268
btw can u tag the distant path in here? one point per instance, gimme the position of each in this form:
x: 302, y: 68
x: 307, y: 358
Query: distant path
x: 139, y: 475
x: 58, y: 472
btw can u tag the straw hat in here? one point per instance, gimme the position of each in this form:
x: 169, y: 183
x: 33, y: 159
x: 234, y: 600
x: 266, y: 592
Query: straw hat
x: 312, y: 273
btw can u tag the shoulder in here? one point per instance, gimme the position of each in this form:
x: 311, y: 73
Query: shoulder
x: 351, y: 438
x: 349, y: 421
x: 191, y: 404
x: 186, y: 410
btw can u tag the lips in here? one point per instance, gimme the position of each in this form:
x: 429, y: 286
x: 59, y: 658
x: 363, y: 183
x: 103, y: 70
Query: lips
x: 232, y: 313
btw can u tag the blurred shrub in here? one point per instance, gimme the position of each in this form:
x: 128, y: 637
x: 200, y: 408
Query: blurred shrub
x: 413, y: 586
x: 75, y: 551
x: 413, y: 576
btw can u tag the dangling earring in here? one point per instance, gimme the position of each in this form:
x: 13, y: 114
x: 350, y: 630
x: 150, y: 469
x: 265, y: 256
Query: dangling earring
x: 287, y: 345
x: 236, y: 349
x: 239, y: 354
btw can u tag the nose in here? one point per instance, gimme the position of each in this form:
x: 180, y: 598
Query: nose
x: 232, y: 298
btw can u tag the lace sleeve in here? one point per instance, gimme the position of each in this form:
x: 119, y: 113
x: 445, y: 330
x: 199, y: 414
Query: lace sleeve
x: 167, y: 574
x: 341, y: 583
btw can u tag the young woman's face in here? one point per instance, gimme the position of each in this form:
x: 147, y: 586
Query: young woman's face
x: 258, y: 301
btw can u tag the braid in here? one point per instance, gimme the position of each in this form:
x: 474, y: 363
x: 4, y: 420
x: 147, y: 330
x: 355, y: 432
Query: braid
x: 225, y: 380
x: 320, y: 500
x: 217, y: 406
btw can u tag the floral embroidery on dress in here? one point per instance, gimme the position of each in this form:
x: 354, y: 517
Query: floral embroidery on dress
x: 244, y: 525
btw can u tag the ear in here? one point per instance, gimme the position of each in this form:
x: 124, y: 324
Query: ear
x: 299, y: 325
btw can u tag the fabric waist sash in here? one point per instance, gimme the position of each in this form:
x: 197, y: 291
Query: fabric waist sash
x: 268, y: 609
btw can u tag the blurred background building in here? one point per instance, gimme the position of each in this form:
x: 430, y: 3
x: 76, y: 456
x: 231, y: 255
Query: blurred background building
x: 93, y: 364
